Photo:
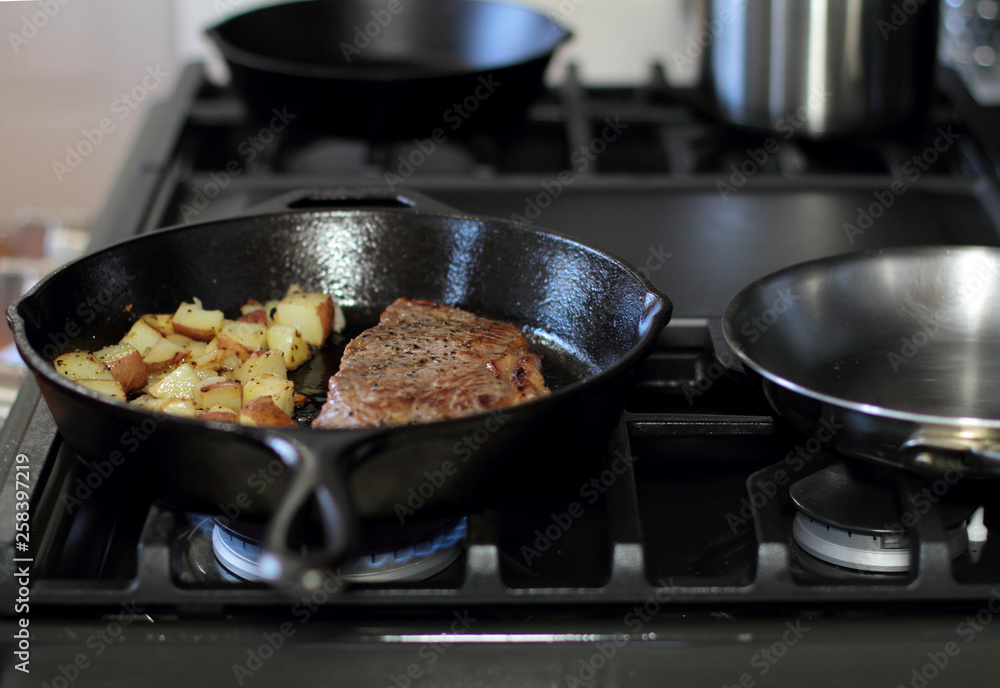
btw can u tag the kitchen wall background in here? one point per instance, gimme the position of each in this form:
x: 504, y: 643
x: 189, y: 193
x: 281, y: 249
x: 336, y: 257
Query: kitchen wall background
x: 77, y: 77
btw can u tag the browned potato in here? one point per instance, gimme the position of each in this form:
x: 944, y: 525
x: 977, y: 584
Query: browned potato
x: 265, y: 385
x: 290, y: 343
x: 311, y: 313
x: 262, y: 412
x: 270, y: 362
x: 242, y: 338
x: 191, y: 320
x: 218, y: 391
x: 251, y: 306
x: 163, y: 356
x: 219, y: 414
x: 195, y: 347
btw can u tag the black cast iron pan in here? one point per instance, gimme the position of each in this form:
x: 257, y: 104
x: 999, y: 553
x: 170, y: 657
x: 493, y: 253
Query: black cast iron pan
x: 382, y: 69
x: 591, y: 316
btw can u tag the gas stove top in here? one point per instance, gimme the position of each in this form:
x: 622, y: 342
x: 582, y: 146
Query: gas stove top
x: 702, y: 547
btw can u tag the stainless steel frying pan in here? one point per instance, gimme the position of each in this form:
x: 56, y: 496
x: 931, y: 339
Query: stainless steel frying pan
x: 895, y: 353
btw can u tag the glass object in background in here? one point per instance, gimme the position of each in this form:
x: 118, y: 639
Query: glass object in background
x: 970, y: 43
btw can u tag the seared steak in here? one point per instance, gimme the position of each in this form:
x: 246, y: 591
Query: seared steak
x: 425, y: 362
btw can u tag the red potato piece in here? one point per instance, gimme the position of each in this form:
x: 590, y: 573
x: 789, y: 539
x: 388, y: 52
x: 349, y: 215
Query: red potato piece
x: 242, y: 338
x: 126, y: 365
x: 161, y: 322
x: 290, y: 343
x: 250, y: 306
x: 257, y: 316
x: 270, y: 362
x: 218, y: 391
x: 163, y: 356
x: 262, y: 412
x: 277, y: 388
x: 219, y: 414
x: 251, y: 335
x: 191, y: 320
x: 142, y: 336
x: 180, y: 383
x: 311, y: 313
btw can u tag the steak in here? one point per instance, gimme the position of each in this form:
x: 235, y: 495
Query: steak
x: 426, y: 362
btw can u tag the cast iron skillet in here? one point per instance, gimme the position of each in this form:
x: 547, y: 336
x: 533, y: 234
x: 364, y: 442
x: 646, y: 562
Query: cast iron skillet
x: 592, y: 317
x: 895, y: 350
x: 382, y: 69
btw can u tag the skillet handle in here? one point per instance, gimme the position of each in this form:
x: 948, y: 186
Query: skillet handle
x: 319, y: 477
x: 349, y: 198
x: 942, y: 453
x: 725, y: 355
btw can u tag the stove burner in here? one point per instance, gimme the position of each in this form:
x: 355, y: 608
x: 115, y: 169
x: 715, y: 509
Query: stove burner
x: 240, y: 554
x: 850, y: 517
x: 861, y: 551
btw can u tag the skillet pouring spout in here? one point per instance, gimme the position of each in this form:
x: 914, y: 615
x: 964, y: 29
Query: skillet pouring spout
x: 592, y: 317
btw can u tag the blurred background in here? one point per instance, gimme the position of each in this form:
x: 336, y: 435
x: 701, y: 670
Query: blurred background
x: 65, y: 67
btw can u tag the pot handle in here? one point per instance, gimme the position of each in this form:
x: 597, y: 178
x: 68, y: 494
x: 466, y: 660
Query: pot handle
x: 319, y: 476
x: 349, y: 198
x: 940, y: 453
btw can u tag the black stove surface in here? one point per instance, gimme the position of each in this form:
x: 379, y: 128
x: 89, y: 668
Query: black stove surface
x: 637, y: 172
x: 674, y: 560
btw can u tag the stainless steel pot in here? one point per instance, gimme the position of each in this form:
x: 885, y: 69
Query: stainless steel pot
x: 892, y: 356
x: 819, y: 67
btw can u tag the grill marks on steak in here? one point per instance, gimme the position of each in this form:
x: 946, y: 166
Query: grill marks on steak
x: 425, y: 362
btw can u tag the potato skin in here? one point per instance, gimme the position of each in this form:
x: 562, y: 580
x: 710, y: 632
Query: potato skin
x: 130, y: 371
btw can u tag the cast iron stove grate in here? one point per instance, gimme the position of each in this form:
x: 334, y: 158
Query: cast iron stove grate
x: 648, y: 523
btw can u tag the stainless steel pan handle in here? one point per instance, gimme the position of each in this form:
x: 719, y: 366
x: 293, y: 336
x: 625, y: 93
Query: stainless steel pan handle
x: 940, y: 453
